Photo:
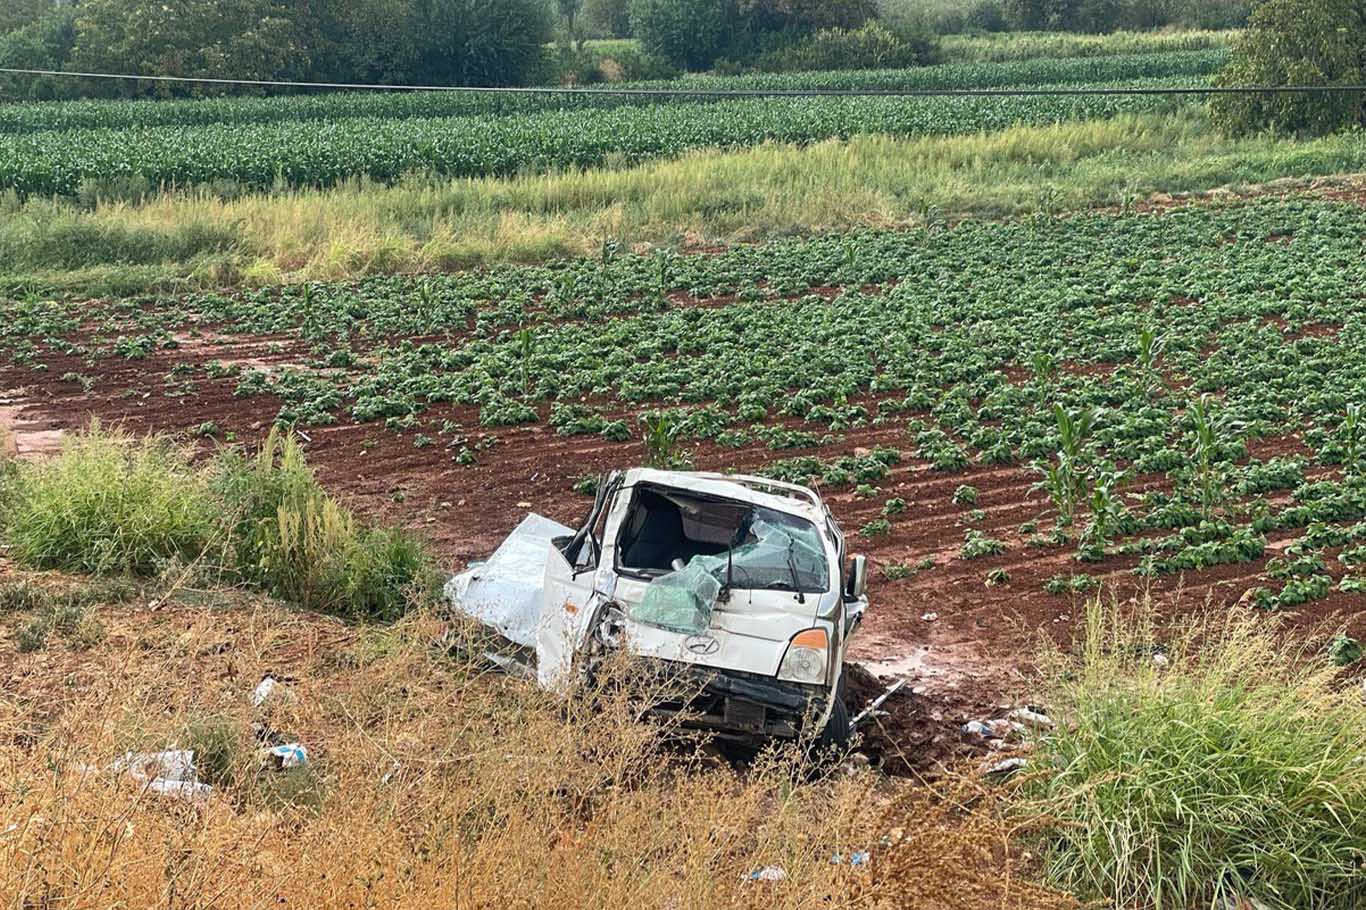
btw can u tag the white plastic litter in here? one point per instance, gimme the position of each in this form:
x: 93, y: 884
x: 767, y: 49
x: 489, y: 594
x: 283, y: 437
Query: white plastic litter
x: 290, y: 755
x: 1008, y: 766
x: 1031, y: 719
x: 992, y: 729
x: 169, y: 773
x: 507, y: 592
x: 262, y: 691
x: 768, y: 874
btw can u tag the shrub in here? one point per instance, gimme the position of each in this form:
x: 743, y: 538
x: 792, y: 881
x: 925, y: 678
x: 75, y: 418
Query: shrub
x: 1229, y: 772
x: 108, y: 503
x: 1297, y: 42
x: 690, y: 34
x: 287, y: 536
x: 874, y: 46
x: 387, y: 570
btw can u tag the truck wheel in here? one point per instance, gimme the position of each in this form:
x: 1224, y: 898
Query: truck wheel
x: 834, y: 739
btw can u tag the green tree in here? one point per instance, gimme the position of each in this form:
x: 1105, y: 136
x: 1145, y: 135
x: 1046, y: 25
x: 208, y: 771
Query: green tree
x: 1297, y: 42
x: 569, y: 15
x: 611, y: 18
x: 17, y: 14
x: 44, y: 43
x: 478, y: 42
x: 245, y: 39
x: 690, y: 34
x: 802, y: 16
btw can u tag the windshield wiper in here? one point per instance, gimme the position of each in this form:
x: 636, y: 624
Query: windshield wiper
x: 792, y: 566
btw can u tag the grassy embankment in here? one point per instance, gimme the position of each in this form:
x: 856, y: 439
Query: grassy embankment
x: 702, y: 198
x: 1229, y: 768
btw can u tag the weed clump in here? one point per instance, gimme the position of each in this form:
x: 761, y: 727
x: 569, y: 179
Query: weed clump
x: 111, y: 504
x: 287, y: 536
x: 1222, y: 773
x: 108, y: 503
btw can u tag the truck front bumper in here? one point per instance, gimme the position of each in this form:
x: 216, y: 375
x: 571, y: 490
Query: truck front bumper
x: 742, y: 706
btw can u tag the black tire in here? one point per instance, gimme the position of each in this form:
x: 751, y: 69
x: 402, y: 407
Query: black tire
x: 834, y: 738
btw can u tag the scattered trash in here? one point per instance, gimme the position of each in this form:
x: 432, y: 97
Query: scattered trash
x: 857, y: 858
x: 767, y: 874
x: 856, y: 762
x: 929, y: 617
x: 1160, y: 660
x: 1034, y: 720
x: 289, y: 755
x: 1008, y: 767
x: 267, y: 688
x: 169, y: 773
x: 872, y: 709
x: 391, y: 773
x: 991, y: 730
x: 262, y: 691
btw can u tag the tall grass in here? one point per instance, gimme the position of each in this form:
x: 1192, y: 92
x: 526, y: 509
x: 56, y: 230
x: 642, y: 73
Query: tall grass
x: 1233, y: 768
x: 108, y: 503
x: 1005, y: 47
x: 289, y: 537
x: 771, y: 191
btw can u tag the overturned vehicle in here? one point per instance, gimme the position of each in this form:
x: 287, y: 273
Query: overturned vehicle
x: 741, y: 584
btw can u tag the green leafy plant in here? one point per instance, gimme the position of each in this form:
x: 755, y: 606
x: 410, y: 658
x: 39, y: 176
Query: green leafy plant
x: 1344, y: 651
x: 977, y: 545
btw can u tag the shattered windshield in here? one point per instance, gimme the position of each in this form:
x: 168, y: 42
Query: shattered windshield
x: 767, y: 551
x: 775, y: 552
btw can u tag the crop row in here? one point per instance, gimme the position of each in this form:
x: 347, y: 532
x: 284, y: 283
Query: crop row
x: 94, y: 114
x: 320, y: 154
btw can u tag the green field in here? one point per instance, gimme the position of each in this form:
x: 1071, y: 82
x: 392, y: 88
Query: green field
x: 272, y: 143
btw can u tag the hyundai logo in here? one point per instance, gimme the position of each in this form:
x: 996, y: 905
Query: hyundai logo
x: 702, y: 645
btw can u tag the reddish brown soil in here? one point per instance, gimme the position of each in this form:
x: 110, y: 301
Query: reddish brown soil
x: 963, y: 643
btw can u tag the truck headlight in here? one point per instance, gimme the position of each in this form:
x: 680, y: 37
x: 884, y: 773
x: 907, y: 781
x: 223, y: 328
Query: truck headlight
x: 808, y: 656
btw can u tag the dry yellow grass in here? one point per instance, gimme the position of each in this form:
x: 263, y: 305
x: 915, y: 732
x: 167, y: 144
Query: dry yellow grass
x: 433, y: 783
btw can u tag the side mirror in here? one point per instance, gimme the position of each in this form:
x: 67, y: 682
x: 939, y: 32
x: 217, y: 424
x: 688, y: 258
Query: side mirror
x: 858, y: 577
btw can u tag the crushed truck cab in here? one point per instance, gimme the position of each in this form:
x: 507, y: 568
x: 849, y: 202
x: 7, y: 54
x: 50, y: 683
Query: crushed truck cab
x: 742, y: 584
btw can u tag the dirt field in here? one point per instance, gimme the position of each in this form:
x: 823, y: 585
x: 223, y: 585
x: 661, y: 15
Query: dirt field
x: 963, y: 643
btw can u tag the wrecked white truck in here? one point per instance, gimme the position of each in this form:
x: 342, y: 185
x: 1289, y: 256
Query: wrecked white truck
x: 741, y: 584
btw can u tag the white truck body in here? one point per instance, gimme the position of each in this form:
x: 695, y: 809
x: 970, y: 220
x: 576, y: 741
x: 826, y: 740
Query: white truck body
x: 743, y: 581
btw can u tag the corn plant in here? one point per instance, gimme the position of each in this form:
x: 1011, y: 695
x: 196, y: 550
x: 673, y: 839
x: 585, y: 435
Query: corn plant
x: 661, y: 441
x: 1211, y: 429
x: 1353, y: 435
x: 1150, y: 349
x: 1108, y: 512
x: 1065, y: 478
x: 526, y: 349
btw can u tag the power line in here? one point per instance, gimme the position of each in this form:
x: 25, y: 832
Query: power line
x: 722, y: 93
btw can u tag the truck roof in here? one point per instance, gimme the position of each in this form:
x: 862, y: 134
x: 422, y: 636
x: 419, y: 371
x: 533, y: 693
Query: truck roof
x: 774, y: 494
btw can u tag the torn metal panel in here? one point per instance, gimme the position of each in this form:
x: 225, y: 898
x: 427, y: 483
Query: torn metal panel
x: 507, y: 593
